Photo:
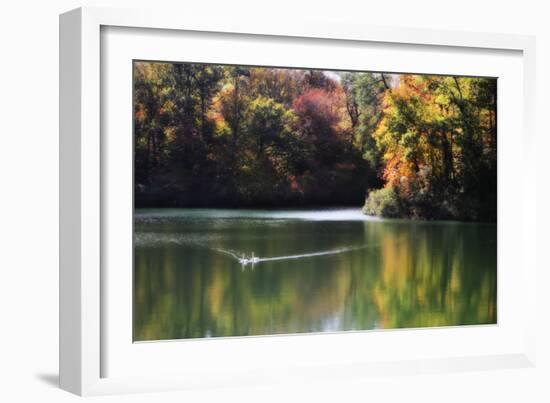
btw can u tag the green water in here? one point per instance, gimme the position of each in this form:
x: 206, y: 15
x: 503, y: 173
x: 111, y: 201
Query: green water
x: 314, y: 271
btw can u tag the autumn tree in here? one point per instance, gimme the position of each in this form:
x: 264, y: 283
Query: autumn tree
x: 151, y: 117
x: 432, y: 139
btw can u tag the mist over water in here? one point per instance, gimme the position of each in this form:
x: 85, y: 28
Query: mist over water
x: 332, y: 214
x: 210, y: 272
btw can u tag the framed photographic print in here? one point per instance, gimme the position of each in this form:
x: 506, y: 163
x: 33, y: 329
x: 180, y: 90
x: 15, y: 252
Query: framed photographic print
x: 278, y: 200
x: 235, y: 201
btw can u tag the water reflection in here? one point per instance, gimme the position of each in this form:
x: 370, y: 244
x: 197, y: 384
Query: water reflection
x: 389, y: 274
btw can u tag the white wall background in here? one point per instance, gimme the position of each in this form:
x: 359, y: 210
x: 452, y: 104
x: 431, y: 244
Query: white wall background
x: 29, y: 198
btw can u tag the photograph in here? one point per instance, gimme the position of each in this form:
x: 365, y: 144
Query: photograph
x: 284, y: 200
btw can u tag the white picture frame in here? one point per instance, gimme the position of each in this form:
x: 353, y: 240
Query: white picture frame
x: 83, y: 295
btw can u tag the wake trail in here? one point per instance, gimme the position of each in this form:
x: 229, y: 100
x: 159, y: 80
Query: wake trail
x: 243, y: 259
x: 227, y: 252
x: 306, y: 255
x: 254, y: 259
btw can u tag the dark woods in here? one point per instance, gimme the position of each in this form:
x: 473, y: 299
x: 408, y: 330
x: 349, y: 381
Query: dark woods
x: 231, y: 136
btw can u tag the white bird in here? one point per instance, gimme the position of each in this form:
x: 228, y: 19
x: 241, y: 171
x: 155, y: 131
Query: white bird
x: 251, y: 260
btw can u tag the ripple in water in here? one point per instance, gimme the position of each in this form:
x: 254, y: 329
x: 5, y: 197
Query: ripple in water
x: 204, y: 240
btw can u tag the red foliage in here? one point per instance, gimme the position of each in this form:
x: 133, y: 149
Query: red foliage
x: 317, y: 113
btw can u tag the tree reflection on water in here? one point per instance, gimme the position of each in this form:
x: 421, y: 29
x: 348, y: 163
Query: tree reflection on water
x: 406, y: 274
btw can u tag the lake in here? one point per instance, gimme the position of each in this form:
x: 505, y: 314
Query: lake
x: 216, y: 272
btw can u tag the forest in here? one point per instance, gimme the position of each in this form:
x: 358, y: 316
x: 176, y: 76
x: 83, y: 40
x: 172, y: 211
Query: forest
x: 399, y: 145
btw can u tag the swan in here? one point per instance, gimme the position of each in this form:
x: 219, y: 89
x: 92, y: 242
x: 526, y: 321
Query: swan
x: 249, y: 260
